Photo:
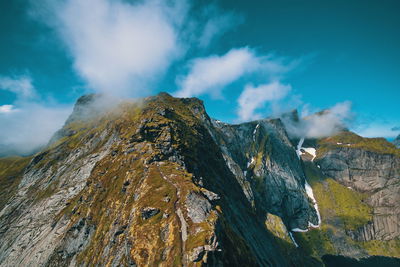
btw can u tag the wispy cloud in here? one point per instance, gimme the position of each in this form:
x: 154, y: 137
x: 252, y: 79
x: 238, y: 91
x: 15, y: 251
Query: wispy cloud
x: 321, y: 124
x: 254, y: 98
x: 7, y: 108
x: 217, y: 23
x: 387, y: 129
x: 209, y: 75
x: 29, y: 122
x: 124, y: 48
x: 19, y: 85
x: 118, y: 46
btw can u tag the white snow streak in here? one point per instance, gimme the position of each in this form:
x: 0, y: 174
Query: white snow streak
x: 312, y: 151
x: 299, y: 230
x: 255, y: 131
x: 308, y: 189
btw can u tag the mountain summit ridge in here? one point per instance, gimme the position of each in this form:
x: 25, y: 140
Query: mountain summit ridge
x: 158, y: 182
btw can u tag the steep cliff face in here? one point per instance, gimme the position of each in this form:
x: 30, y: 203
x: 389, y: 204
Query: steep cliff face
x: 355, y: 182
x: 265, y: 163
x: 156, y: 182
x: 370, y: 169
x: 396, y: 141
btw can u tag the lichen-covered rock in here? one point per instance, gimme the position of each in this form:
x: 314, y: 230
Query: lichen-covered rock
x: 198, y: 207
x: 265, y: 164
x: 158, y: 183
x: 149, y: 212
x: 143, y: 183
x: 396, y: 141
x: 372, y: 173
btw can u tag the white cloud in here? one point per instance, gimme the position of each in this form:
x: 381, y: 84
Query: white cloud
x: 323, y: 124
x: 19, y: 85
x: 211, y: 74
x: 378, y: 129
x: 254, y: 98
x: 329, y: 122
x: 30, y: 127
x: 28, y: 123
x: 6, y: 108
x: 119, y: 46
x: 217, y: 24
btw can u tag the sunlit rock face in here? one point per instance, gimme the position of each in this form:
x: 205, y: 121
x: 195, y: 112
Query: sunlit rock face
x: 376, y: 175
x: 156, y: 182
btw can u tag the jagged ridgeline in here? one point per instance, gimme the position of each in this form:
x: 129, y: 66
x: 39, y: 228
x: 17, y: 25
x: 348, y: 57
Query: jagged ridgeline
x: 156, y: 182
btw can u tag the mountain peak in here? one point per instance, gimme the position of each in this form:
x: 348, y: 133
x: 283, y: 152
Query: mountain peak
x: 156, y: 181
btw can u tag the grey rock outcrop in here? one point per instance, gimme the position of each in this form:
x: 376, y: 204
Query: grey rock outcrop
x: 375, y: 174
x: 155, y: 182
x: 396, y: 141
x: 265, y: 164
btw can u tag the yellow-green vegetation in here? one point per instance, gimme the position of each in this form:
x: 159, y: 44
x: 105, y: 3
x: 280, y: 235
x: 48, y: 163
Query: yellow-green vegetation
x: 305, y: 256
x: 351, y: 140
x: 390, y: 248
x: 340, y: 208
x: 11, y: 171
x: 337, y: 200
x: 277, y: 227
x: 316, y: 242
x: 136, y: 177
x: 262, y: 150
x: 348, y: 204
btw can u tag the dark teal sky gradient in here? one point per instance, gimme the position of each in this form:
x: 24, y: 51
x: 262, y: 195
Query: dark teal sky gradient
x: 351, y: 52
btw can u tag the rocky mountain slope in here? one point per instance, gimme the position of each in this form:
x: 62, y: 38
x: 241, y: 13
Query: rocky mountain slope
x: 157, y: 182
x: 396, y: 142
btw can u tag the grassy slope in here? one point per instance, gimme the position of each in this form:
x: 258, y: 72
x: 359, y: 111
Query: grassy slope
x: 11, y: 170
x: 352, y: 140
x: 341, y: 209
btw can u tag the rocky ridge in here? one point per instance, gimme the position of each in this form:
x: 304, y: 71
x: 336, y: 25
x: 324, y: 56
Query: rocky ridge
x: 147, y: 183
x: 158, y: 182
x: 396, y: 141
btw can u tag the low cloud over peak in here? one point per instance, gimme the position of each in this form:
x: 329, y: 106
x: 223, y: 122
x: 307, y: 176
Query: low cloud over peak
x: 321, y: 124
x: 254, y: 98
x: 116, y: 45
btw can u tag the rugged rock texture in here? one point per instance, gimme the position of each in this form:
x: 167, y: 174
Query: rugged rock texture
x: 260, y: 155
x: 376, y: 174
x: 355, y: 184
x: 155, y: 183
x: 396, y: 141
x: 158, y: 183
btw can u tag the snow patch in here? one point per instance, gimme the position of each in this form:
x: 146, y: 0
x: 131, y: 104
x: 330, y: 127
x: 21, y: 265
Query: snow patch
x: 310, y: 194
x: 312, y: 151
x: 251, y: 162
x: 255, y: 131
x: 299, y: 230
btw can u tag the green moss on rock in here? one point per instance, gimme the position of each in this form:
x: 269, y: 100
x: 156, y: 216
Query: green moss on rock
x: 351, y: 140
x: 11, y: 171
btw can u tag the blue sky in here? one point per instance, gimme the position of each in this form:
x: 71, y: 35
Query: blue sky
x: 245, y: 59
